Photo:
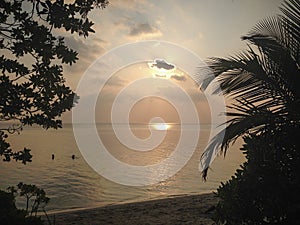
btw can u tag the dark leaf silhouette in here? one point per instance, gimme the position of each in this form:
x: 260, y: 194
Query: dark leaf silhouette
x: 263, y: 82
x: 32, y: 86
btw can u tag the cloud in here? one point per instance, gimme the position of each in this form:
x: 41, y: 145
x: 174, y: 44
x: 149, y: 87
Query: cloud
x: 170, y: 76
x: 165, y: 70
x: 129, y: 4
x: 178, y: 77
x: 88, y: 50
x: 161, y: 76
x: 161, y: 64
x: 144, y: 30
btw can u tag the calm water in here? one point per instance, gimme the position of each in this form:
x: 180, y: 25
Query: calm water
x: 73, y: 184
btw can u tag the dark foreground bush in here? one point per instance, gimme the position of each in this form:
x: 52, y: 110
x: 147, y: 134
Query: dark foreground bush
x: 10, y: 215
x: 35, y: 198
x: 266, y: 188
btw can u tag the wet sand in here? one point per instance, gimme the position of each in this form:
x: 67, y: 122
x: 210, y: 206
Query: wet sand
x: 192, y: 209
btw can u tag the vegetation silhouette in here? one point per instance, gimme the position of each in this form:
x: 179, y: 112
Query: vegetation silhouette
x: 262, y: 85
x: 32, y: 86
x: 35, y: 198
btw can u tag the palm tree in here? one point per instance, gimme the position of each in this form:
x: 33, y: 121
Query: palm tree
x: 263, y: 82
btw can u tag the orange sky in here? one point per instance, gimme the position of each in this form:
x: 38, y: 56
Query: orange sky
x: 206, y: 27
x: 150, y: 107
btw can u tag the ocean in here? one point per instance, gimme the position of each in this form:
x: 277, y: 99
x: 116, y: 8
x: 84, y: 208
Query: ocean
x: 73, y: 184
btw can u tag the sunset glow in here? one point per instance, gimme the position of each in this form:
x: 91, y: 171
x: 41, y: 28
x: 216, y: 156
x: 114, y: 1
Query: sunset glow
x: 161, y: 126
x: 148, y: 95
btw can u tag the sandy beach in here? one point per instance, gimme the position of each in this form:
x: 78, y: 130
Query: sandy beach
x: 192, y: 209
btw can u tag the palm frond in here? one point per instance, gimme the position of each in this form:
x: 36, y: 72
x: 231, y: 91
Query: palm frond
x: 245, y: 118
x: 291, y: 24
x: 263, y: 81
x: 277, y: 63
x: 278, y: 40
x: 245, y: 74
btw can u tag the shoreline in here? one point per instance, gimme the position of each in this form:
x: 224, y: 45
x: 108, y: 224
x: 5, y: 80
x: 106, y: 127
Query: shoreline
x: 186, y: 209
x: 70, y: 210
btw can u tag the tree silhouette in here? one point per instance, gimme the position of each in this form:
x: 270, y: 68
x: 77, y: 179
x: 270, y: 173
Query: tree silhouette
x: 35, y: 199
x: 263, y: 82
x: 32, y: 86
x: 263, y: 86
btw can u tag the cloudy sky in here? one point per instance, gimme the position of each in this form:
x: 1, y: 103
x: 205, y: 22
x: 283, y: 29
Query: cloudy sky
x: 206, y: 27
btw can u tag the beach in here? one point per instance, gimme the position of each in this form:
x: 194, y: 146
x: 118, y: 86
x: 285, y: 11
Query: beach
x: 190, y: 209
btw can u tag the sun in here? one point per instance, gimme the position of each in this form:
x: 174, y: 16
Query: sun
x: 161, y: 126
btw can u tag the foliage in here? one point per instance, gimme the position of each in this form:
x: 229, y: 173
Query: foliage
x: 34, y: 198
x: 266, y: 188
x: 263, y: 87
x: 262, y: 83
x: 32, y: 87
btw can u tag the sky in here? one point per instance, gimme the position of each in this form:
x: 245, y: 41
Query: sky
x: 208, y: 28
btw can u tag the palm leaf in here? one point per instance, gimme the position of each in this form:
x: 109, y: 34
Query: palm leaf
x: 263, y: 82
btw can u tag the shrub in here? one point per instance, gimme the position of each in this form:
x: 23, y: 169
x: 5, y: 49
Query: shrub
x: 34, y: 198
x: 265, y: 190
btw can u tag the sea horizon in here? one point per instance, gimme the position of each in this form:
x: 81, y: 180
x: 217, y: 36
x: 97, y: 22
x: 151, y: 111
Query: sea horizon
x: 73, y: 184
